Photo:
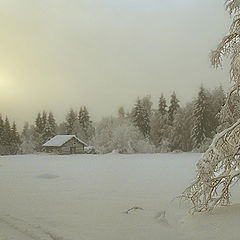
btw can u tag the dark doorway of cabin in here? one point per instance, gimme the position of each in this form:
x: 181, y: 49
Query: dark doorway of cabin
x: 73, y: 150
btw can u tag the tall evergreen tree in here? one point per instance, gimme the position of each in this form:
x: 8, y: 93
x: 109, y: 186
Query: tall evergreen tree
x: 141, y: 117
x: 37, y: 134
x: 70, y: 121
x: 86, y: 130
x: 173, y: 107
x: 7, y: 133
x: 44, y: 120
x: 52, y: 124
x: 15, y: 139
x: 1, y: 129
x: 38, y: 124
x: 201, y: 119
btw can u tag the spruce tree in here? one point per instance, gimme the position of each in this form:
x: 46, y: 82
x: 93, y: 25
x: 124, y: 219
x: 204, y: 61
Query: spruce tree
x: 173, y: 107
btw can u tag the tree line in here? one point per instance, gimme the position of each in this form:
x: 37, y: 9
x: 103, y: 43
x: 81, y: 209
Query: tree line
x: 170, y: 127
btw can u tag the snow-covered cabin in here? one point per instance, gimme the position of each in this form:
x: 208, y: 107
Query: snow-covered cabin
x: 65, y: 144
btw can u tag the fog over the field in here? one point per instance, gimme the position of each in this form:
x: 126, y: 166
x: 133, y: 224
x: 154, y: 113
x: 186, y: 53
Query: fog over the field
x: 57, y: 54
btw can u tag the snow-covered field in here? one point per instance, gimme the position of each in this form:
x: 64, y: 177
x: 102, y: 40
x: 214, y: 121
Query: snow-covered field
x: 84, y: 197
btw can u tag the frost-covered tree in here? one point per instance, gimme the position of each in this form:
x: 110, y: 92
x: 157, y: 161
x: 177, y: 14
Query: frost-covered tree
x: 173, y: 107
x: 47, y: 133
x: 27, y: 145
x: 120, y: 135
x: 121, y: 112
x: 216, y: 101
x: 218, y: 168
x: 162, y: 105
x: 104, y: 135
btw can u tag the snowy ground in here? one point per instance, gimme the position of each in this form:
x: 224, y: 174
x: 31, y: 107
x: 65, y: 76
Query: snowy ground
x: 84, y: 197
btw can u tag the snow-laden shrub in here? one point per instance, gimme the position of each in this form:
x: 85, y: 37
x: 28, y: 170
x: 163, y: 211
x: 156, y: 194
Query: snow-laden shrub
x: 125, y: 138
x: 164, y: 146
x: 144, y: 146
x: 120, y: 135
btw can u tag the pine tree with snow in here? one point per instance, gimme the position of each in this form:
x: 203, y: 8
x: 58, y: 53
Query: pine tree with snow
x: 173, y: 107
x: 162, y: 105
x: 201, y: 119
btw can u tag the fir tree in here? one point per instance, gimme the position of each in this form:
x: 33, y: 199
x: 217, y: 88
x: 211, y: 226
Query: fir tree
x: 173, y: 107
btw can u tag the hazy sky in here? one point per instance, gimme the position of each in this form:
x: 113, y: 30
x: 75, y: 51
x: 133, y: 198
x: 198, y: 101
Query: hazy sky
x: 57, y: 54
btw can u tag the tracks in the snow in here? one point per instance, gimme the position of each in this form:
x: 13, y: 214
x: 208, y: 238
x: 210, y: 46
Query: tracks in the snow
x: 29, y: 231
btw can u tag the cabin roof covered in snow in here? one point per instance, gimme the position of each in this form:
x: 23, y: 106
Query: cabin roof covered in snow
x: 59, y: 140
